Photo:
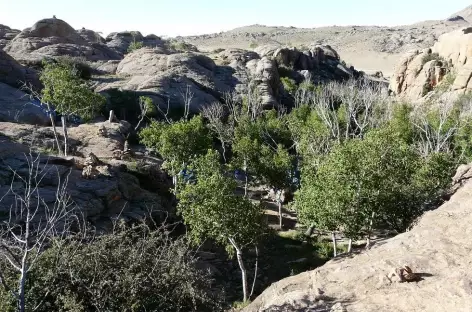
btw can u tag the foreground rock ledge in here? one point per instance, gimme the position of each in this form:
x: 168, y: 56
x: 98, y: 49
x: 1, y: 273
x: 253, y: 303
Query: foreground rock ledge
x: 439, y: 247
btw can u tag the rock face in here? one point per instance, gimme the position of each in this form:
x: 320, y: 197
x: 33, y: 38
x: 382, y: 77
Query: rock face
x: 54, y: 37
x: 465, y: 14
x: 169, y: 78
x: 113, y: 193
x: 437, y: 249
x: 414, y: 78
x: 90, y: 36
x: 6, y: 35
x: 120, y: 41
x: 15, y: 106
x: 14, y: 74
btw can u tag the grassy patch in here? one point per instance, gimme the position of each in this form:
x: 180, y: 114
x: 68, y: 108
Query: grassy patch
x: 238, y: 305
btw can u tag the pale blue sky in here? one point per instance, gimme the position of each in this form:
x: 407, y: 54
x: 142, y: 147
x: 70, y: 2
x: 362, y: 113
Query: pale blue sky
x: 187, y: 17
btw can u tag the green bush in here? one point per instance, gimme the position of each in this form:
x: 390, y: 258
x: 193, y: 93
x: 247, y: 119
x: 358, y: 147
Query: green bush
x: 289, y: 85
x: 182, y: 46
x: 135, y: 45
x: 284, y: 71
x: 78, y: 64
x: 253, y: 45
x: 134, y: 269
x: 70, y: 94
x: 178, y: 143
x: 432, y: 57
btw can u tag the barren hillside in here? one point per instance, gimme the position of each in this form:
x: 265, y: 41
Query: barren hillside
x: 368, y: 48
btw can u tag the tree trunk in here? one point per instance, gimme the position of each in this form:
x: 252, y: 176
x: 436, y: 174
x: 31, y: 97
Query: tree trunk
x: 174, y: 181
x: 24, y: 259
x: 256, y: 267
x: 224, y: 151
x: 279, y: 202
x: 239, y: 256
x: 64, y: 129
x: 349, y: 246
x: 369, y: 232
x: 53, y: 124
x: 21, y: 288
x: 246, y: 179
x: 111, y: 117
x: 335, y: 252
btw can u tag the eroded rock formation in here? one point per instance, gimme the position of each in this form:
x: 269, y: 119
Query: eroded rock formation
x: 419, y: 72
x: 54, y: 37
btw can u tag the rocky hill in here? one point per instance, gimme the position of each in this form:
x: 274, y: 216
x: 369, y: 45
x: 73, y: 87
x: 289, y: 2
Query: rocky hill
x: 448, y: 64
x: 437, y: 249
x: 465, y: 14
x: 128, y: 189
x: 368, y: 48
x: 171, y: 72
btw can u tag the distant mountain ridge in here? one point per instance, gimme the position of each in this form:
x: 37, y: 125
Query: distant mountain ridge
x: 369, y: 48
x: 466, y: 14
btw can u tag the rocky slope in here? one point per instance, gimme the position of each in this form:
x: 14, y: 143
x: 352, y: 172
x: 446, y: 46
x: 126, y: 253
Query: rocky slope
x: 437, y: 249
x: 54, y: 37
x: 368, y: 48
x: 127, y: 189
x: 169, y: 78
x: 465, y: 14
x: 13, y: 74
x: 420, y: 71
x: 171, y: 72
x: 6, y: 35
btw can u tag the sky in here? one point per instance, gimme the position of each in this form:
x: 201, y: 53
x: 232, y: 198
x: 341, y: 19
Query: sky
x: 193, y: 17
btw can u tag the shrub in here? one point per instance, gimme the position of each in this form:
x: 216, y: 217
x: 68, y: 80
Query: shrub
x: 78, y: 64
x: 134, y: 269
x: 289, y: 85
x: 177, y: 143
x: 284, y: 71
x: 253, y: 45
x: 432, y: 57
x: 182, y: 46
x: 135, y: 45
x: 127, y: 105
x: 68, y: 92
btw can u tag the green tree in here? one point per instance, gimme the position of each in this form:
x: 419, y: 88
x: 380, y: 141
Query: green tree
x: 274, y: 169
x: 212, y: 210
x: 257, y: 142
x: 178, y: 143
x: 364, y: 181
x: 68, y: 92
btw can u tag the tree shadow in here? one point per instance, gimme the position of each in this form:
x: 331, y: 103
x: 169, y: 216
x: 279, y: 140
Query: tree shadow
x: 320, y: 304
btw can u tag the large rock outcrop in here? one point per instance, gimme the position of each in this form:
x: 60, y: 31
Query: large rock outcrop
x: 6, y: 35
x: 54, y: 37
x: 170, y: 77
x: 114, y: 193
x: 120, y: 41
x: 14, y: 74
x: 437, y: 248
x: 16, y: 106
x: 419, y: 72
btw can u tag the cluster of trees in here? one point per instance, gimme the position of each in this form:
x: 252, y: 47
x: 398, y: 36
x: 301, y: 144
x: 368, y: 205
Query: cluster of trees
x: 366, y: 160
